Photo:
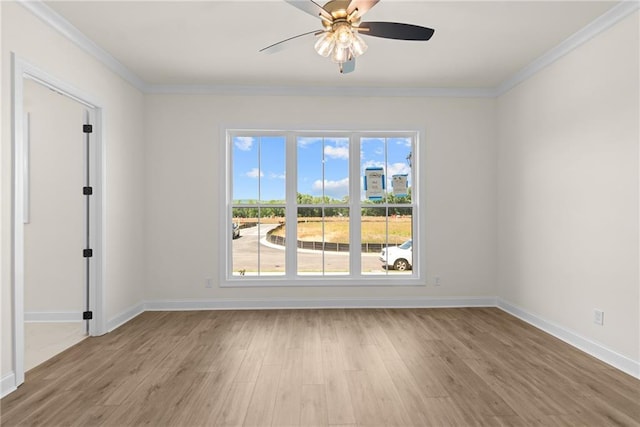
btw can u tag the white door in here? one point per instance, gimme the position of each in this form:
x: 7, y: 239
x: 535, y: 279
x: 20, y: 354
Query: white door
x: 55, y: 228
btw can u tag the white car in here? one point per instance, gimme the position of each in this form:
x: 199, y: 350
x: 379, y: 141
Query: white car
x: 235, y: 230
x: 398, y: 257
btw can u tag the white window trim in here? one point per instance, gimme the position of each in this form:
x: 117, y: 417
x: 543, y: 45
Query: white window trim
x: 291, y: 279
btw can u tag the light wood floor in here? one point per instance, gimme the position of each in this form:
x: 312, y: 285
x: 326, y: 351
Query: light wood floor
x: 43, y: 340
x: 417, y: 367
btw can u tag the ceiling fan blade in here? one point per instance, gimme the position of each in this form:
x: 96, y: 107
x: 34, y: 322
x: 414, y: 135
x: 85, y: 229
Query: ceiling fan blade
x: 362, y: 5
x: 348, y: 67
x: 396, y: 30
x: 277, y: 47
x: 310, y: 7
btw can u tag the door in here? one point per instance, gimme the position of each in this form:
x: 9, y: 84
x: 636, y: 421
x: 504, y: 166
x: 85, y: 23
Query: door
x: 55, y: 286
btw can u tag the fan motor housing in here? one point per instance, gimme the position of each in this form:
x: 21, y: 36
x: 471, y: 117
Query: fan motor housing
x: 338, y: 11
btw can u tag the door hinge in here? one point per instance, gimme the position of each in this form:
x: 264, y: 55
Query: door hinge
x: 87, y: 128
x: 87, y: 315
x: 87, y: 253
x: 87, y: 191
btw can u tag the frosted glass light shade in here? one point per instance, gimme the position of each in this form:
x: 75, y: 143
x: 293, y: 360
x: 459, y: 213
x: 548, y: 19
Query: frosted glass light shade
x: 343, y: 35
x: 340, y: 54
x: 325, y: 44
x: 358, y: 47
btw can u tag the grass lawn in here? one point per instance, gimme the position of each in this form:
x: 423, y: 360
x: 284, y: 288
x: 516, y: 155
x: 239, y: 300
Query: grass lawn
x: 336, y: 230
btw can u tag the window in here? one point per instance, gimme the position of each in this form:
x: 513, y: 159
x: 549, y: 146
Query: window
x: 318, y: 208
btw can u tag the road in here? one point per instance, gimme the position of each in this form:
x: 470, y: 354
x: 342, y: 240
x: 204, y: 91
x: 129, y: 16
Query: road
x: 272, y: 258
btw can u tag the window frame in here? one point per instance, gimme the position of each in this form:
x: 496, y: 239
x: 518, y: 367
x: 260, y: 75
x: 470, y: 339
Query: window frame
x: 291, y: 277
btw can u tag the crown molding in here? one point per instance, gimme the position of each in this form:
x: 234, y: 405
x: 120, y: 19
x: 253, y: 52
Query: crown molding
x: 64, y: 27
x: 600, y: 24
x: 333, y: 91
x: 597, y: 26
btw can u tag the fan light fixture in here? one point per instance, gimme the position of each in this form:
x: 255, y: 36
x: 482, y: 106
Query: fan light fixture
x: 340, y: 38
x: 342, y: 42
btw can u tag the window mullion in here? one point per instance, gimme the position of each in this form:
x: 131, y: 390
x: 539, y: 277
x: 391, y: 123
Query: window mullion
x: 291, y: 208
x: 324, y: 182
x: 259, y: 204
x: 355, y: 237
x: 228, y: 216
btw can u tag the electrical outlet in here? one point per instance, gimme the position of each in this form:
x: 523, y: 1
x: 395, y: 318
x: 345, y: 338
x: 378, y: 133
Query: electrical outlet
x: 208, y: 283
x: 436, y: 281
x: 598, y: 317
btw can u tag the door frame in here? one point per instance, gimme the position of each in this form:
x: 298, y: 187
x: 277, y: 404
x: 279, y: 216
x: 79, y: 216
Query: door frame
x: 97, y: 326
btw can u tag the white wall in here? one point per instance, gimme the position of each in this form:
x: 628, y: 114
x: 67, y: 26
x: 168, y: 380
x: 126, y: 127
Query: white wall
x: 42, y: 46
x: 569, y: 191
x: 458, y: 199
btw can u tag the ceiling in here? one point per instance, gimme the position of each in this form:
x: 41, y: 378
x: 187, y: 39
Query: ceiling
x: 477, y: 44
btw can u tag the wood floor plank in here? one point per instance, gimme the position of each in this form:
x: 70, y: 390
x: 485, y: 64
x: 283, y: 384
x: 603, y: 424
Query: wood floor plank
x: 312, y: 352
x: 167, y: 404
x: 206, y: 405
x: 339, y: 406
x: 408, y: 390
x: 369, y: 321
x: 392, y: 408
x: 313, y: 411
x: 326, y: 327
x: 528, y: 403
x: 365, y: 403
x: 428, y: 374
x: 382, y: 367
x: 473, y: 387
x: 283, y: 327
x: 443, y: 411
x: 263, y: 400
x: 288, y: 398
x: 234, y: 409
x: 296, y: 336
x: 94, y: 416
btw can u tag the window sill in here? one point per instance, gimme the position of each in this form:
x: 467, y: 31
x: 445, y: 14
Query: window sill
x: 330, y: 281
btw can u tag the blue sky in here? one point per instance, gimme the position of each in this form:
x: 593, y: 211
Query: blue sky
x: 259, y: 165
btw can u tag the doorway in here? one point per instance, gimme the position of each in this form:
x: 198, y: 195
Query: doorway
x: 54, y: 280
x: 58, y: 220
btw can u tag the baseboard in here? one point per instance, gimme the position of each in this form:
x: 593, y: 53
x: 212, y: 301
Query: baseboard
x: 295, y: 303
x: 7, y: 384
x: 122, y: 318
x: 53, y: 317
x: 592, y: 348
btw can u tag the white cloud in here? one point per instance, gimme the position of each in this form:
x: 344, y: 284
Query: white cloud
x: 338, y: 188
x: 372, y: 164
x: 305, y: 142
x: 339, y: 142
x: 274, y: 175
x: 336, y: 152
x: 254, y: 173
x: 405, y: 142
x: 243, y: 143
x: 398, y: 168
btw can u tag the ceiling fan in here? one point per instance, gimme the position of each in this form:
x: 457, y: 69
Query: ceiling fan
x: 342, y: 25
